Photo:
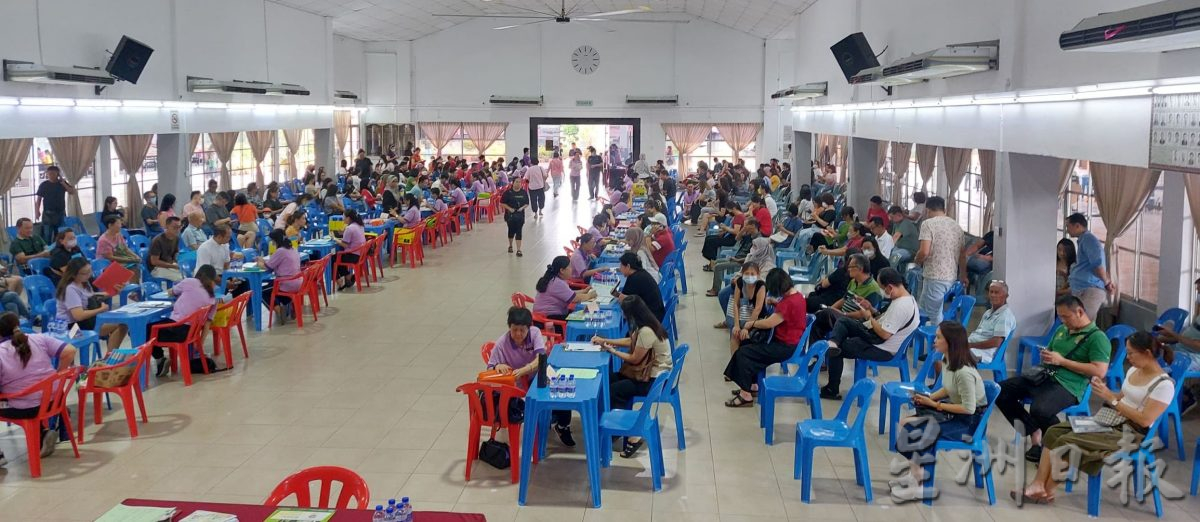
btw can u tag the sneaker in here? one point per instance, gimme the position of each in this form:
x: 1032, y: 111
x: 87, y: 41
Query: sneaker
x: 1034, y: 454
x: 49, y: 440
x: 828, y: 393
x: 161, y: 367
x: 564, y: 434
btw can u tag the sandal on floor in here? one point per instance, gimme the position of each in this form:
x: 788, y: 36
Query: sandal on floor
x: 519, y: 254
x: 735, y: 392
x: 707, y: 268
x: 738, y: 402
x: 1026, y: 499
x: 711, y: 293
x: 721, y: 325
x: 630, y: 449
x: 510, y: 250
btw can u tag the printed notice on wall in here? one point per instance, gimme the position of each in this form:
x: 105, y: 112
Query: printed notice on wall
x: 1175, y: 133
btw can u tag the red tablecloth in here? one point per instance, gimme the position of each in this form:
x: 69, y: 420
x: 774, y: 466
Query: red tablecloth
x: 253, y: 513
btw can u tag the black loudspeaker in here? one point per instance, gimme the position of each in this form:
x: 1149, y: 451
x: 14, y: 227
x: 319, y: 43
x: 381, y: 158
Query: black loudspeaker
x: 129, y: 59
x: 853, y: 54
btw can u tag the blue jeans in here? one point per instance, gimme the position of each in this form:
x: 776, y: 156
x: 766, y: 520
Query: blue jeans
x: 902, y: 258
x: 11, y: 302
x: 919, y: 437
x: 933, y: 294
x: 978, y: 266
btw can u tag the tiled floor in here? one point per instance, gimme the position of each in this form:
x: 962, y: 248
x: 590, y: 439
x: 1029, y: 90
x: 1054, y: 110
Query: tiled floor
x: 371, y: 387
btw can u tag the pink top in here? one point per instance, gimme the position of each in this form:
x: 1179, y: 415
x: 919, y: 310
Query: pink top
x: 105, y: 245
x: 285, y: 262
x: 556, y: 167
x: 556, y: 300
x: 535, y: 177
x: 354, y: 236
x: 411, y: 217
x: 190, y: 296
x: 193, y: 208
x: 15, y: 377
x: 459, y: 197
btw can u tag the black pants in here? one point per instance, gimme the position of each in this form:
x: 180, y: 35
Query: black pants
x: 574, y: 187
x: 750, y: 360
x: 174, y: 334
x: 515, y: 227
x: 855, y: 342
x: 537, y: 199
x: 236, y: 287
x: 594, y: 183
x: 1049, y: 398
x: 344, y: 271
x: 823, y: 323
x: 622, y: 390
x: 693, y: 213
x: 29, y: 413
x: 714, y: 243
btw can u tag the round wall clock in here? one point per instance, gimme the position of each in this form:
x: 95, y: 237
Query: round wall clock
x: 585, y: 59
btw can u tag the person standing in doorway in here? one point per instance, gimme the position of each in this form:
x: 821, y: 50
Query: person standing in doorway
x: 1088, y: 277
x: 595, y: 164
x: 535, y: 180
x: 556, y: 171
x: 576, y: 167
x: 50, y: 205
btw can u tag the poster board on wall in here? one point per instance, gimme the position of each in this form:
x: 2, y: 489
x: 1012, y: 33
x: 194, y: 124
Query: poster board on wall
x: 1175, y: 133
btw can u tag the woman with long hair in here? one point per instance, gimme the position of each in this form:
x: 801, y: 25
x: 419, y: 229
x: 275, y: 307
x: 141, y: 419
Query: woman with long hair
x: 1065, y: 256
x: 649, y: 356
x: 77, y: 306
x: 166, y: 209
x: 25, y: 360
x: 870, y: 248
x: 635, y: 239
x: 756, y: 353
x: 555, y: 298
x: 247, y: 215
x: 353, y: 237
x: 111, y: 209
x: 191, y: 294
x: 285, y: 263
x: 956, y: 407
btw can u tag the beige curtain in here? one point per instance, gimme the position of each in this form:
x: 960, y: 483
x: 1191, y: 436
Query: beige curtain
x: 341, y: 132
x: 926, y: 160
x: 881, y: 152
x: 260, y: 144
x: 687, y: 137
x: 439, y: 132
x: 958, y: 161
x: 484, y: 134
x: 131, y: 151
x: 293, y: 138
x: 1065, y: 169
x: 223, y: 143
x: 739, y: 135
x: 193, y: 140
x: 1120, y: 193
x: 1192, y: 182
x: 842, y: 156
x: 901, y: 153
x: 75, y: 156
x: 987, y: 174
x: 13, y: 153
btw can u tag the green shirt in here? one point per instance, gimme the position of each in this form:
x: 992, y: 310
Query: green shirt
x: 1094, y: 346
x: 869, y: 290
x: 29, y: 246
x: 909, y: 236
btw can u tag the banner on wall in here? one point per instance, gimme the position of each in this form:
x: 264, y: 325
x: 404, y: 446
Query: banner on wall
x: 1175, y: 133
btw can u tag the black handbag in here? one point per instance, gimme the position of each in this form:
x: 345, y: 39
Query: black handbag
x: 1036, y: 375
x: 495, y: 453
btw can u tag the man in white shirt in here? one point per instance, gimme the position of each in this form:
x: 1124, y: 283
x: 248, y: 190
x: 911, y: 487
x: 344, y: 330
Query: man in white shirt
x: 885, y: 240
x: 877, y: 339
x: 215, y: 253
x: 995, y: 326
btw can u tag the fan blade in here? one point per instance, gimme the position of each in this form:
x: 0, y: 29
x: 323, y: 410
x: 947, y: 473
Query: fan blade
x: 641, y: 9
x: 630, y: 20
x: 543, y: 13
x: 490, y: 16
x: 501, y: 28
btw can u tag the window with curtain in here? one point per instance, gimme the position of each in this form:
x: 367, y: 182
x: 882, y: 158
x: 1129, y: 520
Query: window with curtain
x: 885, y: 177
x: 18, y: 202
x: 148, y: 176
x: 205, y: 166
x: 355, y: 141
x: 716, y: 147
x: 970, y: 199
x: 462, y: 146
x: 242, y: 164
x: 307, y: 155
x: 1137, y: 249
x: 912, y: 181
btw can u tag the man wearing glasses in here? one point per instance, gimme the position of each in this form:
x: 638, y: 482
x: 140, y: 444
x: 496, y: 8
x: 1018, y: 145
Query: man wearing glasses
x: 997, y: 322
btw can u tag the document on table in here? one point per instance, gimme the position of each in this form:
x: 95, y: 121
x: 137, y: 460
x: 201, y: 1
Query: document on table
x: 579, y: 373
x: 209, y: 516
x: 123, y: 513
x: 603, y: 290
x: 300, y: 515
x: 582, y: 347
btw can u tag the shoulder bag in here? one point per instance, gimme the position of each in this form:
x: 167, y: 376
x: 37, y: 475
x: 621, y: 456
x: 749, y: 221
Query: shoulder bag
x: 639, y: 371
x: 1109, y: 416
x: 1039, y: 374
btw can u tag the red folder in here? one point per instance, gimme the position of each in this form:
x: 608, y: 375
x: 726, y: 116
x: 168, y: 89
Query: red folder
x: 112, y: 276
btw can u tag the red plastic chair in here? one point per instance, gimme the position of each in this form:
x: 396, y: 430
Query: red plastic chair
x: 443, y: 225
x: 407, y: 242
x: 222, y: 335
x: 53, y: 390
x: 306, y: 277
x: 430, y: 231
x: 521, y: 300
x: 485, y: 351
x: 353, y: 487
x: 359, y: 267
x: 376, y: 262
x: 128, y: 392
x: 179, y: 351
x: 322, y: 267
x: 462, y: 218
x: 484, y: 414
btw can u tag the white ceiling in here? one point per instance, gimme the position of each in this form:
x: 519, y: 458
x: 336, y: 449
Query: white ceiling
x: 375, y: 20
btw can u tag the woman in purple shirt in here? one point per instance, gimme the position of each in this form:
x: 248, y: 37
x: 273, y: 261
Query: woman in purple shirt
x: 436, y: 201
x: 191, y: 294
x: 412, y: 212
x: 285, y: 263
x: 555, y: 299
x: 353, y: 237
x: 73, y: 293
x: 26, y: 360
x: 581, y: 260
x: 458, y: 196
x: 516, y: 353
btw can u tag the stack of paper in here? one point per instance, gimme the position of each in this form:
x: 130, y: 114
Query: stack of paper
x: 123, y: 513
x: 582, y: 347
x: 300, y: 515
x: 209, y: 516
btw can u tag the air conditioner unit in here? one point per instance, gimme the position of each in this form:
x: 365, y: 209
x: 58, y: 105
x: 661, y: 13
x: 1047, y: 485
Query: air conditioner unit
x: 799, y: 92
x: 1157, y: 27
x: 653, y: 100
x: 345, y: 95
x: 867, y: 76
x: 16, y: 71
x: 515, y: 100
x: 288, y: 89
x: 953, y: 60
x: 209, y: 85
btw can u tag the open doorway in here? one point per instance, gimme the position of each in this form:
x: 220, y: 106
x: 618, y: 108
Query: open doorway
x: 617, y: 140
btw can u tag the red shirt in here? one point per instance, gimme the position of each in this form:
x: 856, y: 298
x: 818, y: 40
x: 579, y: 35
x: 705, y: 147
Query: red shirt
x: 794, y: 310
x: 666, y: 245
x: 879, y: 212
x: 763, y: 216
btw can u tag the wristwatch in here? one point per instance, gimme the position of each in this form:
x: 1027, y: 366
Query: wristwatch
x: 1113, y: 403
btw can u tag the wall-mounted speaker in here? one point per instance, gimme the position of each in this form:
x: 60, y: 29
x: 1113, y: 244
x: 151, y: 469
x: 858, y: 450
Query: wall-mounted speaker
x: 853, y: 54
x: 128, y: 61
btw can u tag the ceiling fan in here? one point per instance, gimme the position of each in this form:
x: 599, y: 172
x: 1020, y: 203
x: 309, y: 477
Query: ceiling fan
x: 562, y: 16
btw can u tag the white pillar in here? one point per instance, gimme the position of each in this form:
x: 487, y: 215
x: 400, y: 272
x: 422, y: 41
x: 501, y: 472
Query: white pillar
x: 1175, y: 245
x: 1026, y: 234
x: 174, y: 167
x: 104, y: 175
x: 325, y: 149
x: 802, y: 158
x: 864, y: 173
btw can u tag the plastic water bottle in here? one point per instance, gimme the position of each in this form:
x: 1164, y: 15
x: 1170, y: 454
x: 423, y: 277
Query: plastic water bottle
x: 379, y: 515
x: 390, y: 514
x: 555, y: 387
x: 392, y: 504
x: 406, y: 511
x: 571, y: 387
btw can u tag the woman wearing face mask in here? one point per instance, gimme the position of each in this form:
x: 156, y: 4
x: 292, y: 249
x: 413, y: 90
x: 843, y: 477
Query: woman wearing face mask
x: 870, y: 248
x: 788, y: 321
x: 748, y: 298
x: 66, y: 247
x: 749, y: 237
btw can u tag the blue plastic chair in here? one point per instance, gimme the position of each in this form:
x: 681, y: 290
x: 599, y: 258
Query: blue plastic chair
x: 998, y: 365
x: 87, y: 342
x: 811, y: 273
x: 794, y: 252
x: 1033, y: 343
x: 99, y: 266
x: 681, y: 273
x: 802, y: 384
x: 638, y: 423
x: 87, y: 244
x: 75, y: 224
x: 978, y: 448
x: 187, y: 263
x: 140, y: 244
x: 1116, y: 366
x: 39, y: 266
x: 670, y: 323
x: 1178, y: 371
x: 959, y: 310
x: 898, y: 394
x: 670, y: 394
x: 836, y: 433
x: 1177, y: 316
x: 38, y: 289
x: 898, y: 361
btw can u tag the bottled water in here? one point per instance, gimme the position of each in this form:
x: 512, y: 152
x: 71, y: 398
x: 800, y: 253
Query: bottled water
x: 379, y: 515
x: 555, y: 387
x: 406, y: 511
x: 390, y: 514
x: 392, y: 504
x: 571, y: 387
